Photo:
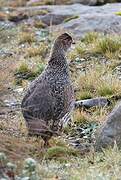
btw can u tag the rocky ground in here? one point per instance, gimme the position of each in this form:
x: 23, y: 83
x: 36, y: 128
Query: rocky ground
x: 26, y: 37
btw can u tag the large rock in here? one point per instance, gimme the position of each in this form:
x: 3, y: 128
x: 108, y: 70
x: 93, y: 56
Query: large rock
x: 110, y: 132
x: 79, y: 19
x: 96, y: 18
x: 85, y: 2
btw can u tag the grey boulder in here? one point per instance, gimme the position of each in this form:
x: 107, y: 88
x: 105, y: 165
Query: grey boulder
x: 110, y: 132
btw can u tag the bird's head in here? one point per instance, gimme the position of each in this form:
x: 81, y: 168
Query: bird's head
x: 64, y: 42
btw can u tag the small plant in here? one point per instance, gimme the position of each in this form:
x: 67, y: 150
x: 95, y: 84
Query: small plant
x: 40, y: 68
x: 30, y: 169
x: 7, y: 169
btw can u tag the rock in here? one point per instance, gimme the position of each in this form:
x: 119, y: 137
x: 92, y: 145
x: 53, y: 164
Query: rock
x: 6, y: 25
x: 54, y: 20
x: 110, y: 132
x: 95, y: 102
x: 10, y: 103
x: 17, y: 16
x: 4, y: 54
x: 88, y: 18
x: 100, y: 19
x: 85, y: 2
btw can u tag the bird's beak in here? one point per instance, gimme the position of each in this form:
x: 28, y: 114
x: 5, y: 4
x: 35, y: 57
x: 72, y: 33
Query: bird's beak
x: 73, y: 42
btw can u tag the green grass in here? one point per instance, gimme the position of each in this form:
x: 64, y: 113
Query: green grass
x: 61, y: 153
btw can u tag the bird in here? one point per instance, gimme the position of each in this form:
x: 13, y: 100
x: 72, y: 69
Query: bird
x: 49, y: 99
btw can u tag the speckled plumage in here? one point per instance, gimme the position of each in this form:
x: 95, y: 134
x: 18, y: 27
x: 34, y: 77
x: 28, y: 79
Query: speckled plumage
x: 50, y: 97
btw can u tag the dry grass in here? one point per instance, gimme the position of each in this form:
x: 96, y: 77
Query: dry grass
x: 97, y: 82
x: 13, y: 3
x: 26, y: 37
x: 108, y: 44
x: 37, y: 51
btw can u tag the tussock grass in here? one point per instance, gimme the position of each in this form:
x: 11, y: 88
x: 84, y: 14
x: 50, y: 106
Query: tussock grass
x: 108, y: 44
x: 90, y: 37
x: 98, y: 83
x: 41, y: 50
x: 26, y: 37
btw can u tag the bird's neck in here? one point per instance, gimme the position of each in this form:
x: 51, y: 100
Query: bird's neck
x: 58, y: 57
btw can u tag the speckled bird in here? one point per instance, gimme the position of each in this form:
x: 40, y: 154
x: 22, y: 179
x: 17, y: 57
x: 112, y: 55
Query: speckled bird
x: 50, y: 97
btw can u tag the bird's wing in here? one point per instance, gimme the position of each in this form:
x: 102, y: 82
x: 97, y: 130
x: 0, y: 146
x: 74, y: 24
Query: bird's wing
x: 39, y: 101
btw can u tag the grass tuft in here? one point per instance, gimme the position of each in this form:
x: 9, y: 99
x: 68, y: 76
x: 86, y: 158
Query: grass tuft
x: 108, y: 44
x: 26, y: 37
x: 90, y: 37
x: 37, y: 51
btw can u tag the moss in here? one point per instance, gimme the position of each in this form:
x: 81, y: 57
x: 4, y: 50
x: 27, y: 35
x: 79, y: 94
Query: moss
x: 60, y: 152
x: 118, y: 13
x: 70, y: 18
